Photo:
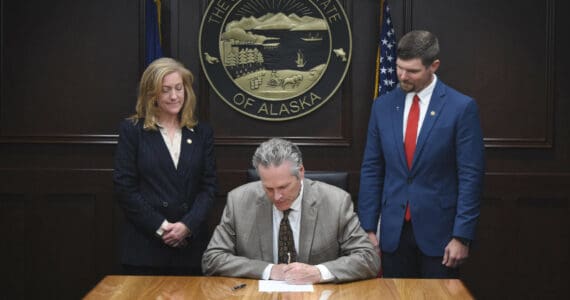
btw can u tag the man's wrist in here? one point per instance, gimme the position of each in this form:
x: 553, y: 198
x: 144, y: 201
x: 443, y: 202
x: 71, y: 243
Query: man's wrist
x: 326, y: 275
x: 464, y: 241
x: 160, y: 231
x: 266, y: 275
x: 188, y: 231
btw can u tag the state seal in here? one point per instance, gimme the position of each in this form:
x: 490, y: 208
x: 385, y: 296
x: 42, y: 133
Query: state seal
x: 275, y: 60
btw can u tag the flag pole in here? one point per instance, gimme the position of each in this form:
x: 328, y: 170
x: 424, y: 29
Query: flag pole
x: 377, y: 75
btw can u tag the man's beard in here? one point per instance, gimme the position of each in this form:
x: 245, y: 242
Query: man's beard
x: 406, y: 87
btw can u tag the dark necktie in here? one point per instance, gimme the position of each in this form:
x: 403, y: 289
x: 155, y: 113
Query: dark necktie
x: 410, y: 140
x: 286, y: 245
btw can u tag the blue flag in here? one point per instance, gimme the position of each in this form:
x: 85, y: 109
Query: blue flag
x: 386, y: 77
x: 152, y: 31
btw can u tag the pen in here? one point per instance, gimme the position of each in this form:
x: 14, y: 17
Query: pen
x: 239, y: 286
x: 288, y: 257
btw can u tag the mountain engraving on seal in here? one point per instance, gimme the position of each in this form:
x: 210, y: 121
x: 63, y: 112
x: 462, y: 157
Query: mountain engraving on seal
x: 254, y: 52
x: 265, y: 59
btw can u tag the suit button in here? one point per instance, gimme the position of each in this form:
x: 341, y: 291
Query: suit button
x: 164, y: 204
x: 410, y: 179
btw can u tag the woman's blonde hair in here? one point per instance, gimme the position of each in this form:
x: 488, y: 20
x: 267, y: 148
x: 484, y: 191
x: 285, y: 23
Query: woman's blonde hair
x: 150, y: 88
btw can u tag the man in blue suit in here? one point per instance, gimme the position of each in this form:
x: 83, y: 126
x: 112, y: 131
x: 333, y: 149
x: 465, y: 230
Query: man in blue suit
x: 423, y: 168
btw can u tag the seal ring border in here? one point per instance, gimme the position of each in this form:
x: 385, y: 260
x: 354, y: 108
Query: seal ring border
x: 254, y: 116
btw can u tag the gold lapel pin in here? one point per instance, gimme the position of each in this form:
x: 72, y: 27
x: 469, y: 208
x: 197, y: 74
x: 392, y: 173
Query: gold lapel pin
x: 432, y: 113
x: 189, y: 141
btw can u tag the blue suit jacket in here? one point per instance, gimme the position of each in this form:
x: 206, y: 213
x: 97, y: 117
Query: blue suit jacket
x: 150, y: 189
x: 445, y: 182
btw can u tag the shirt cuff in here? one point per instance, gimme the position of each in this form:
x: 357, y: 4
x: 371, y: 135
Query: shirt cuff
x: 267, y: 272
x: 326, y: 275
x: 160, y: 231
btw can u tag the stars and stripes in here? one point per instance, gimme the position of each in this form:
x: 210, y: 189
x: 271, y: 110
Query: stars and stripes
x: 386, y: 78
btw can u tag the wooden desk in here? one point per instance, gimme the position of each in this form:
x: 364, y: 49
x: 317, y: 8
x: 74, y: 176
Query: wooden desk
x: 179, y: 287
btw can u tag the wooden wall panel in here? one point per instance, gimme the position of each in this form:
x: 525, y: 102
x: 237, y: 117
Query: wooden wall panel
x: 544, y: 228
x: 68, y: 74
x: 329, y: 125
x: 316, y: 128
x: 503, y: 55
x: 522, y: 242
x: 61, y: 232
x: 69, y: 68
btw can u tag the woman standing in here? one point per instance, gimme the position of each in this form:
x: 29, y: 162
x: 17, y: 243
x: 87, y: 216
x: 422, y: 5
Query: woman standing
x: 165, y: 175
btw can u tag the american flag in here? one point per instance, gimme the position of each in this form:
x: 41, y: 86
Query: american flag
x: 386, y: 78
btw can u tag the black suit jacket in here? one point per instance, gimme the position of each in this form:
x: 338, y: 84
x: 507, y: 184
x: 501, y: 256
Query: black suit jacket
x: 150, y: 189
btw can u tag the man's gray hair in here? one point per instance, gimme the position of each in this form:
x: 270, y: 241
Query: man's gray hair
x: 276, y: 151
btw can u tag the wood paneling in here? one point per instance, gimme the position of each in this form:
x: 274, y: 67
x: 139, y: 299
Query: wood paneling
x: 69, y: 73
x: 505, y: 57
x: 522, y: 242
x: 69, y: 69
x: 329, y: 125
x: 59, y: 225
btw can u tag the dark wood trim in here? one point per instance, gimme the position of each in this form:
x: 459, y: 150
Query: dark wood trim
x: 513, y: 143
x: 302, y: 141
x: 142, y: 36
x: 97, y: 139
x: 408, y: 16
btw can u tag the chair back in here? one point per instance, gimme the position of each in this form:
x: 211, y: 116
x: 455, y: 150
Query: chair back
x: 336, y: 178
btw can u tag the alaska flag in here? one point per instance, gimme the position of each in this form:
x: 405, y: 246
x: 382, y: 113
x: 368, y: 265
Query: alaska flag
x: 386, y: 78
x: 152, y: 31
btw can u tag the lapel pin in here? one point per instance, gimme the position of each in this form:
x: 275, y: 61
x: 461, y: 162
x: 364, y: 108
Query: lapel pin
x: 432, y: 113
x: 192, y: 129
x: 397, y: 108
x: 189, y: 141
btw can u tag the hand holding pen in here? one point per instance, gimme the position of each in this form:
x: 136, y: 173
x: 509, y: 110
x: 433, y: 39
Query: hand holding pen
x: 278, y: 270
x: 300, y: 273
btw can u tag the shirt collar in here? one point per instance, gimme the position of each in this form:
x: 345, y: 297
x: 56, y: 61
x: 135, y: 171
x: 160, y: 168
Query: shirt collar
x: 296, y: 206
x: 428, y: 90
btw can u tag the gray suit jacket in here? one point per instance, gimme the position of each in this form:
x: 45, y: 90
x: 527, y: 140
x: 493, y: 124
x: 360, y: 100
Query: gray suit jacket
x: 330, y: 234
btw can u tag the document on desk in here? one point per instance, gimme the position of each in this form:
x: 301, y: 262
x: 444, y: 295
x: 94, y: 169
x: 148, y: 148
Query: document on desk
x: 282, y: 286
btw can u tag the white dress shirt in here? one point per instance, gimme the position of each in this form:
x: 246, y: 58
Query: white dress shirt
x: 172, y: 145
x: 425, y: 97
x: 295, y: 222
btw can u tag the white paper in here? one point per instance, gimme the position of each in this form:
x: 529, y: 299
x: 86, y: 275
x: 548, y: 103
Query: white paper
x: 282, y: 286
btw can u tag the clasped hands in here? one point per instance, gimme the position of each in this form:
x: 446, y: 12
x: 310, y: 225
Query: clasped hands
x: 296, y: 273
x: 175, y: 234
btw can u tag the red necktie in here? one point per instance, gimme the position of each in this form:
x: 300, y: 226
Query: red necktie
x: 410, y: 140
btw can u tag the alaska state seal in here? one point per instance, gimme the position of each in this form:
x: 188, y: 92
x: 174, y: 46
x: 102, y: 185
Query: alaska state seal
x: 275, y: 60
